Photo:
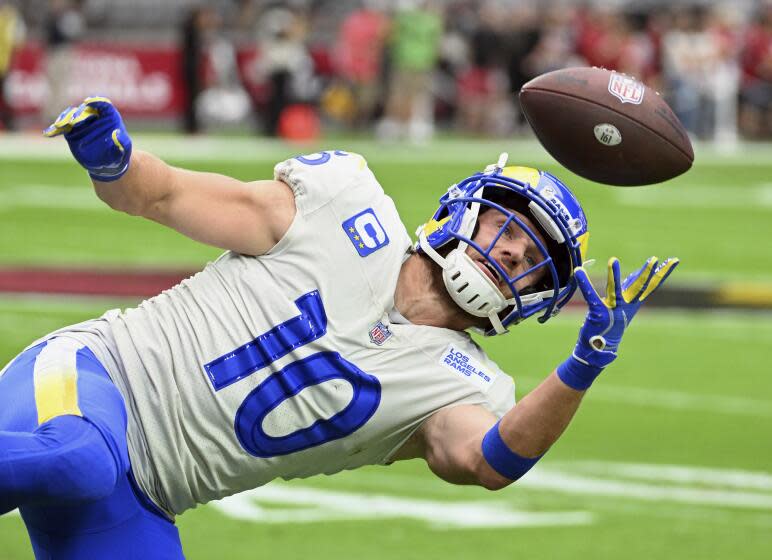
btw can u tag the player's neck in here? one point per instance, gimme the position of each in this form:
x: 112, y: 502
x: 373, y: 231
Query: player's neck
x: 422, y: 299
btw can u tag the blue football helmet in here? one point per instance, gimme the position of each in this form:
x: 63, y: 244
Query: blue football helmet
x: 547, y: 203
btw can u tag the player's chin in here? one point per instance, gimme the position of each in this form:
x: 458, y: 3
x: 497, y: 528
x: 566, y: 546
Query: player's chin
x: 482, y: 323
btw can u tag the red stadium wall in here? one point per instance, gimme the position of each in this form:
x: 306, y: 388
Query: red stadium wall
x: 144, y: 81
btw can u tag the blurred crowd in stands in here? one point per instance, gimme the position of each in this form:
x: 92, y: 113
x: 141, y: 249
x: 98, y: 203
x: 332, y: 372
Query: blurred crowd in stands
x: 404, y: 69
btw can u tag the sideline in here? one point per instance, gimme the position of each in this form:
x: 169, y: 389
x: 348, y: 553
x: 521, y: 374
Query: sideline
x: 28, y: 146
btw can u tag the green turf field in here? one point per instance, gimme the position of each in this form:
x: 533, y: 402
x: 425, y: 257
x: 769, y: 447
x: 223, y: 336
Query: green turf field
x: 669, y: 456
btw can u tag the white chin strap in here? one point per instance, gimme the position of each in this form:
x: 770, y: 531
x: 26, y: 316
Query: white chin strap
x: 469, y: 286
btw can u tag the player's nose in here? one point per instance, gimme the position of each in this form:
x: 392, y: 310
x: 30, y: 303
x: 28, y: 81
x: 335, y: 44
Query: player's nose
x: 514, y: 249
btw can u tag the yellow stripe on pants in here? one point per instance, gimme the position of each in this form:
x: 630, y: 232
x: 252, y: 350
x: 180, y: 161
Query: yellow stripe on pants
x: 56, y: 380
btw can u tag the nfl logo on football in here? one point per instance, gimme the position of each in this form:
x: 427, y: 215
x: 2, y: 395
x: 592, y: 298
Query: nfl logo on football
x: 626, y: 89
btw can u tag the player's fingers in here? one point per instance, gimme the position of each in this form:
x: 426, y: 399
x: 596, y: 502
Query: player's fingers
x: 613, y: 284
x: 641, y: 280
x: 83, y: 114
x: 50, y: 131
x: 99, y: 103
x: 660, y: 275
x: 61, y: 124
x: 585, y: 286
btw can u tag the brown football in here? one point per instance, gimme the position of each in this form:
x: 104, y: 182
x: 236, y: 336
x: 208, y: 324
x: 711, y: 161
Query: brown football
x: 606, y: 126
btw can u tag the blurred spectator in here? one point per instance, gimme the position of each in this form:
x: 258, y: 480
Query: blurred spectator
x: 722, y: 79
x: 246, y: 14
x: 523, y: 34
x: 756, y: 96
x: 700, y: 70
x: 483, y: 88
x: 197, y: 30
x: 454, y: 58
x: 64, y: 26
x: 358, y: 56
x: 409, y: 62
x: 414, y: 47
x: 12, y: 31
x: 687, y: 50
x: 284, y: 63
x: 602, y: 35
x: 223, y: 101
x: 556, y: 44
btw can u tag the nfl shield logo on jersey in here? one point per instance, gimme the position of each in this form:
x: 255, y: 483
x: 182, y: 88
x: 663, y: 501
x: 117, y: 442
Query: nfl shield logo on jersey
x: 625, y: 88
x: 379, y: 334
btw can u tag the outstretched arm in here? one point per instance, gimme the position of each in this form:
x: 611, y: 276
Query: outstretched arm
x: 451, y: 440
x: 215, y: 209
x: 465, y: 444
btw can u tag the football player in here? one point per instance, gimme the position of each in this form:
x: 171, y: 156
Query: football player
x: 323, y: 339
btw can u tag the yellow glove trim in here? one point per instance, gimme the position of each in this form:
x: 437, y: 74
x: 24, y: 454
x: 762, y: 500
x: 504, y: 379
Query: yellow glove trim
x: 610, y: 299
x: 65, y: 123
x: 96, y: 99
x: 636, y: 287
x: 659, y: 275
x: 85, y: 114
x: 65, y: 119
x: 60, y: 124
x: 116, y: 141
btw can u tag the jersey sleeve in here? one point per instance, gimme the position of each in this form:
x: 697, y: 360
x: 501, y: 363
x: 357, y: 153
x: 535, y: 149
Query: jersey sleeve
x: 501, y: 398
x: 319, y: 178
x: 466, y: 374
x: 499, y: 395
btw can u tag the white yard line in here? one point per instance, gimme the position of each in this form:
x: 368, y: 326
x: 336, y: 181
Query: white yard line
x: 644, y: 483
x: 568, y: 483
x: 753, y: 196
x: 677, y: 400
x: 674, y: 400
x: 685, y: 484
x: 718, y: 490
x: 262, y: 150
x: 731, y: 478
x: 309, y: 505
x: 250, y: 149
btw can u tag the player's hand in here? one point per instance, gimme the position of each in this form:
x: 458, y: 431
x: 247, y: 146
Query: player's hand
x: 97, y: 137
x: 609, y: 316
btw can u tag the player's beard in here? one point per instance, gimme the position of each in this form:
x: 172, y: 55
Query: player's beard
x: 460, y: 319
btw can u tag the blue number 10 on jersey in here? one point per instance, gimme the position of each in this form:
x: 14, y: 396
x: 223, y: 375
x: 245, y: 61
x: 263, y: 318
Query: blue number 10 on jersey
x: 317, y: 368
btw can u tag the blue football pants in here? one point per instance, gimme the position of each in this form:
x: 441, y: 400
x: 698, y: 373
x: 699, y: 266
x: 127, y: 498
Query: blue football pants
x: 64, y: 461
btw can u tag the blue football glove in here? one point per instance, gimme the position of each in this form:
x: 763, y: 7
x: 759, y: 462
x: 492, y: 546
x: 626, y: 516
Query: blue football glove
x: 608, y: 317
x: 97, y: 137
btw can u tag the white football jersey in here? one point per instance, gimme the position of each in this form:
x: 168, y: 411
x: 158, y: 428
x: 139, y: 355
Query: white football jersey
x: 287, y: 365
